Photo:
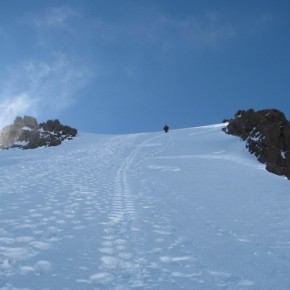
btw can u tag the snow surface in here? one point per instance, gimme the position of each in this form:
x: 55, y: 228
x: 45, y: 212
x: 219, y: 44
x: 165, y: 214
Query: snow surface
x: 191, y: 209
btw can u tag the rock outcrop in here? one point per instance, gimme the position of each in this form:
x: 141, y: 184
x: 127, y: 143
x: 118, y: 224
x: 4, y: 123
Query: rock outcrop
x: 26, y: 133
x: 267, y: 136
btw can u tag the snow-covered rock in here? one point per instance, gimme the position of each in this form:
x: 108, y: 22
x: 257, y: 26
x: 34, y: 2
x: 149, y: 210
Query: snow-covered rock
x: 267, y: 136
x: 26, y: 133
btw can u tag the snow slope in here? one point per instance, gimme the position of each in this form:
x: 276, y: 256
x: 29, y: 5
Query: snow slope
x: 190, y: 209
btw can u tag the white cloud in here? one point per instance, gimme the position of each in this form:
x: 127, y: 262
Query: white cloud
x: 35, y: 87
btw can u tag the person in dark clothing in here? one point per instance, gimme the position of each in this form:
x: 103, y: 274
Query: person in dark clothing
x: 165, y: 128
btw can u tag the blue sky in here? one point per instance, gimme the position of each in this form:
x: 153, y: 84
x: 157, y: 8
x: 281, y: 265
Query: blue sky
x: 126, y: 66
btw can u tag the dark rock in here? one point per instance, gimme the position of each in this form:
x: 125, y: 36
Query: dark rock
x: 56, y: 127
x: 274, y: 168
x: 287, y: 158
x: 286, y: 135
x: 26, y: 133
x: 267, y: 136
x: 51, y: 126
x: 55, y: 142
x: 274, y: 116
x: 68, y: 131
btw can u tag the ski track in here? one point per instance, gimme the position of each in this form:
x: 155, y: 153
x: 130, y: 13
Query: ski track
x: 127, y: 261
x: 102, y: 197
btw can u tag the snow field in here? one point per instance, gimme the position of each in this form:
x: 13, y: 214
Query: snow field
x: 190, y: 209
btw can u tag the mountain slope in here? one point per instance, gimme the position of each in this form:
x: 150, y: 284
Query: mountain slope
x: 190, y: 209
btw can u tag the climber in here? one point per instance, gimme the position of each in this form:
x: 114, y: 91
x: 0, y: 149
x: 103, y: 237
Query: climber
x: 165, y: 128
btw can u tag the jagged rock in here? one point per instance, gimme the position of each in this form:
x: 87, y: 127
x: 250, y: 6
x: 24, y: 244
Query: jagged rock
x: 18, y: 123
x: 30, y: 122
x: 51, y: 126
x: 274, y: 116
x: 26, y: 133
x: 55, y: 126
x: 26, y: 121
x: 267, y: 136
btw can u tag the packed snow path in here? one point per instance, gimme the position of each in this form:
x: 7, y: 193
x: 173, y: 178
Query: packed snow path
x: 190, y: 209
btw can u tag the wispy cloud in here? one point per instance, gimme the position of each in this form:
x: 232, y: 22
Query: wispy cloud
x: 56, y: 17
x: 46, y: 81
x: 167, y: 32
x: 35, y: 87
x: 11, y: 107
x: 195, y: 32
x: 49, y: 76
